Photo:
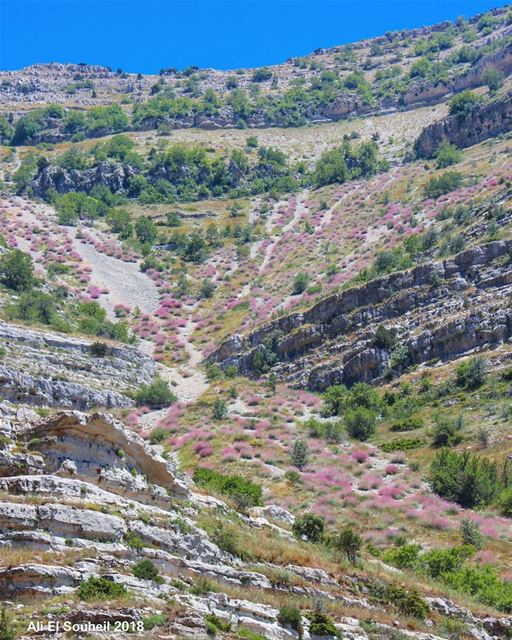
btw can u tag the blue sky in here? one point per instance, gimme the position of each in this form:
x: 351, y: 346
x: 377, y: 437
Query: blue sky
x: 146, y: 35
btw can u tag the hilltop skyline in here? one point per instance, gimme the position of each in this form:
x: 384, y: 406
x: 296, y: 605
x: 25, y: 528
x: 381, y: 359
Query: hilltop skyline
x: 134, y: 35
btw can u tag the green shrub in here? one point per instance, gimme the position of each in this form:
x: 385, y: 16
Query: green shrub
x: 360, y: 423
x: 470, y: 533
x: 146, y: 570
x: 469, y: 480
x: 321, y: 625
x: 471, y: 373
x: 132, y: 540
x: 439, y: 562
x: 440, y: 185
x: 447, y: 431
x: 407, y: 424
x: 247, y: 634
x: 482, y: 583
x: 16, y: 270
x: 300, y: 454
x: 218, y: 623
x: 155, y: 395
x: 463, y: 103
x: 158, y: 435
x: 300, y: 283
x: 7, y: 631
x: 231, y: 485
x: 154, y: 620
x: 99, y: 349
x: 447, y: 154
x: 309, y: 526
x: 402, y: 444
x: 220, y: 409
x: 505, y: 503
x: 409, y: 603
x: 348, y: 542
x: 290, y: 616
x: 404, y: 557
x: 100, y: 589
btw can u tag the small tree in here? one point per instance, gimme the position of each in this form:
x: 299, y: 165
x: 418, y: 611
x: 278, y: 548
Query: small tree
x: 300, y: 454
x: 207, y: 289
x: 290, y: 616
x: 146, y: 570
x: 470, y: 532
x: 7, y: 631
x: 145, y: 230
x: 16, y: 270
x: 348, y: 542
x: 505, y: 503
x: 493, y: 78
x: 463, y: 103
x: 156, y: 395
x: 300, y: 283
x: 220, y: 410
x: 309, y: 526
x: 447, y: 154
x: 471, y: 373
x: 360, y: 423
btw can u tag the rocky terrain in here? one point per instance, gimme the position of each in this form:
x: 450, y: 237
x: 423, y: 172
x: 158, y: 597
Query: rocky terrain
x: 255, y: 345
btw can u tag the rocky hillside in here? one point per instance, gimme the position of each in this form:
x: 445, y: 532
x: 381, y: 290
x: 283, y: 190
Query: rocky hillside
x: 255, y: 345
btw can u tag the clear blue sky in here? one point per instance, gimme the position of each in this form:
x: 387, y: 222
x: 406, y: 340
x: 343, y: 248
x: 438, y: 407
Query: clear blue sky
x: 146, y: 35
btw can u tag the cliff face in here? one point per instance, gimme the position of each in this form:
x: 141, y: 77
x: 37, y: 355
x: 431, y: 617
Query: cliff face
x: 484, y: 122
x: 113, y: 175
x: 436, y: 310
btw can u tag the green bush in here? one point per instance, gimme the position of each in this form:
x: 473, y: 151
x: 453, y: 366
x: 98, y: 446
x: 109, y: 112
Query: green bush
x: 505, y: 503
x: 360, y: 423
x: 7, y: 631
x: 158, y: 435
x: 321, y: 625
x: 447, y: 431
x: 300, y: 454
x: 402, y: 444
x: 218, y: 623
x: 469, y: 480
x: 447, y: 154
x: 16, y: 270
x: 231, y: 485
x: 463, y: 103
x: 348, y: 542
x: 154, y: 620
x: 309, y: 526
x: 470, y: 533
x: 100, y: 589
x: 404, y: 557
x: 290, y: 616
x: 155, y: 395
x: 346, y: 163
x: 300, y: 283
x: 146, y: 570
x: 220, y: 409
x: 407, y: 424
x: 440, y: 185
x: 471, y: 373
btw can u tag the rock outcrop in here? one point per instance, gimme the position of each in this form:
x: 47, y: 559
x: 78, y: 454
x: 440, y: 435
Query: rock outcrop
x: 113, y: 175
x: 463, y: 130
x: 57, y: 370
x: 436, y: 311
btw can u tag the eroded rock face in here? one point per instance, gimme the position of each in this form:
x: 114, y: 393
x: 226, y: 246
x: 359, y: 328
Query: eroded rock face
x: 113, y: 175
x: 437, y: 310
x: 96, y: 443
x: 51, y: 369
x: 486, y: 121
